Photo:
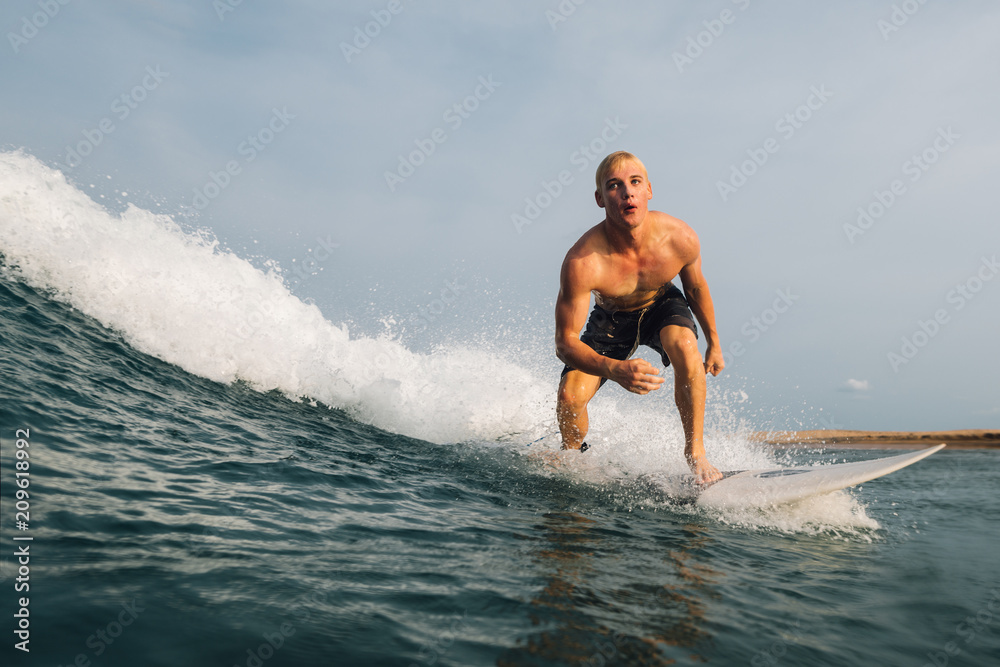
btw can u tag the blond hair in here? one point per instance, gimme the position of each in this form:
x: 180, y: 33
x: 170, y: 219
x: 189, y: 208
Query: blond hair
x: 612, y: 162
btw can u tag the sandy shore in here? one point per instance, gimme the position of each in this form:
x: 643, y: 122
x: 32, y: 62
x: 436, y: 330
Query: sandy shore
x: 964, y: 439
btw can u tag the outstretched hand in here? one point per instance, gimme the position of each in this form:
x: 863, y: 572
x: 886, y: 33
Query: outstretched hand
x: 638, y: 376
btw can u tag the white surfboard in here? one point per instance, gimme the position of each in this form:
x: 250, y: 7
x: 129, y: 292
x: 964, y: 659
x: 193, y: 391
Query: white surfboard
x: 778, y: 486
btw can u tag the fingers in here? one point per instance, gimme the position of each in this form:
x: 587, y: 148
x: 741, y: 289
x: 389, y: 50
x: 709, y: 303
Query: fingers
x: 643, y: 384
x: 640, y: 369
x: 638, y: 376
x: 714, y: 365
x: 645, y: 380
x: 644, y: 387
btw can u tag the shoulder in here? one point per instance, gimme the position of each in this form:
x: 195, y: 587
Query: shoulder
x: 584, y: 260
x: 589, y: 248
x: 683, y: 240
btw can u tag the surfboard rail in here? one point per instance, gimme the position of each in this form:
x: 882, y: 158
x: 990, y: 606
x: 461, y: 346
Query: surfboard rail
x: 778, y: 486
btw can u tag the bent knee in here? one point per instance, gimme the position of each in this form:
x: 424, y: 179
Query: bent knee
x: 682, y: 351
x: 572, y: 399
x: 688, y: 360
x: 576, y: 395
x: 690, y: 372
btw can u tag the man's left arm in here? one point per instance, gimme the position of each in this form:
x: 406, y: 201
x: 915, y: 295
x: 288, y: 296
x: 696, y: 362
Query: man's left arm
x: 700, y: 300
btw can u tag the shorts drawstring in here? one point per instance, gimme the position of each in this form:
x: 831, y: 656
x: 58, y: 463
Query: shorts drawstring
x: 638, y: 331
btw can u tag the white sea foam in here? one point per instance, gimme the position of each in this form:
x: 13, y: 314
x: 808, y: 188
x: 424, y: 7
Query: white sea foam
x: 175, y: 294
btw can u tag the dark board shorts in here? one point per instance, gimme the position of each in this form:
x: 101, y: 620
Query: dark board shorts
x: 618, y: 334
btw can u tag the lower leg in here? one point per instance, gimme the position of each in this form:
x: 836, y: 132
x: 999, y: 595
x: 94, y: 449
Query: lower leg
x: 681, y: 347
x: 575, y: 391
x: 573, y: 425
x: 689, y: 394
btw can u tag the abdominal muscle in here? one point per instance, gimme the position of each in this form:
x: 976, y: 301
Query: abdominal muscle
x: 635, y: 301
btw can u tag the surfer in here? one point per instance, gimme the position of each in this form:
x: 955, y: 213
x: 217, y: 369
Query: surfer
x: 627, y: 261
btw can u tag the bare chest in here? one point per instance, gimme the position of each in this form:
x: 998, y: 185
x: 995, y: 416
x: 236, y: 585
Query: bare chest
x: 628, y: 283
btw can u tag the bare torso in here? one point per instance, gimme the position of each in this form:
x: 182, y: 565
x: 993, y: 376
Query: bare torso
x: 632, y: 279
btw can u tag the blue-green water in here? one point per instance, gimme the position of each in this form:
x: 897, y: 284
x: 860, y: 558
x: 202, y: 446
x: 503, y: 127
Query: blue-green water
x: 231, y: 527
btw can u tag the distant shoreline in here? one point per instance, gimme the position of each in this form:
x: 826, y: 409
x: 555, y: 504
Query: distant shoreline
x: 962, y: 439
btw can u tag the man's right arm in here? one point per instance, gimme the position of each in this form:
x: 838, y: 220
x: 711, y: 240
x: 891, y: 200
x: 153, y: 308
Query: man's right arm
x: 572, y: 305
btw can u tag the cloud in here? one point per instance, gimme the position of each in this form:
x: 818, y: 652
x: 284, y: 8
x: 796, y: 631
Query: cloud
x: 858, y: 386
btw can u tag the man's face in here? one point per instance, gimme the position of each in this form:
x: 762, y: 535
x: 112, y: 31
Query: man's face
x: 625, y: 194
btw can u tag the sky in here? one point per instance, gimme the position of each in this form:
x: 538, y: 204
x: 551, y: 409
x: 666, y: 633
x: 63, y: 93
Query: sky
x: 422, y: 167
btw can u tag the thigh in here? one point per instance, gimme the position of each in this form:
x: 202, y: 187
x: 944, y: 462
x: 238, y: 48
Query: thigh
x: 661, y: 325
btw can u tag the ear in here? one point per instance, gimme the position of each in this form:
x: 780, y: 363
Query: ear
x: 649, y: 188
x: 599, y: 196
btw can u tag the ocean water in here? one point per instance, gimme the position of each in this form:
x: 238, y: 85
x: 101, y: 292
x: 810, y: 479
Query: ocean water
x: 218, y: 475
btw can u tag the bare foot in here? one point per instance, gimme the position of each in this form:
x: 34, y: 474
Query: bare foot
x: 549, y: 458
x: 558, y: 458
x: 704, y: 472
